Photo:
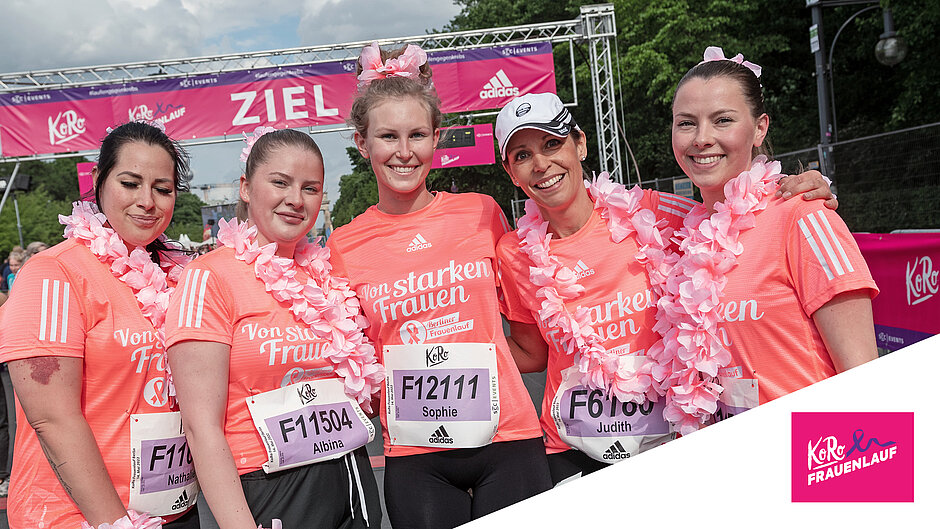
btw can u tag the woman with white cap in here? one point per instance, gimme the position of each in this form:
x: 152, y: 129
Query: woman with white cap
x: 579, y: 277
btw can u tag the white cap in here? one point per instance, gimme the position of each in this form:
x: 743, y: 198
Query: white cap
x: 532, y: 111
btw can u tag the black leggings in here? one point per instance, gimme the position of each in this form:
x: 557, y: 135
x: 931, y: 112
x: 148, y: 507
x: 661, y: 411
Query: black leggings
x: 445, y: 489
x: 564, y: 465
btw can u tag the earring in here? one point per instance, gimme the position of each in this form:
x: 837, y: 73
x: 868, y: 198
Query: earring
x: 583, y: 158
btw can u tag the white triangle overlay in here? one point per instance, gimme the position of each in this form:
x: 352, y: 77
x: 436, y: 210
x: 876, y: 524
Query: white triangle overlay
x: 737, y: 473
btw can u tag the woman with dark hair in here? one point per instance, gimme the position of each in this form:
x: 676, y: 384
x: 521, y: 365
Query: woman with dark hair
x: 269, y: 358
x: 82, y: 334
x: 794, y: 290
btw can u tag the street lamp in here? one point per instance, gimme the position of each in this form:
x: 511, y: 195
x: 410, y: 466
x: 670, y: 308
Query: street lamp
x: 889, y: 51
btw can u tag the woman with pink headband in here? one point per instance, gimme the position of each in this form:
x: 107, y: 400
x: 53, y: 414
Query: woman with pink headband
x: 269, y: 358
x: 461, y: 435
x: 581, y: 280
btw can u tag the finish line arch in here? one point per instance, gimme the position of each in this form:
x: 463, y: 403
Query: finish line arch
x: 595, y: 27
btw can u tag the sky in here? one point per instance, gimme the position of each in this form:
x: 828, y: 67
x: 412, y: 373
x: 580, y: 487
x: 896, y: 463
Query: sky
x: 63, y: 33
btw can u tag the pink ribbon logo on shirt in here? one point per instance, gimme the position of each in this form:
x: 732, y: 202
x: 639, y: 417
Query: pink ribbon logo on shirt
x: 413, y: 332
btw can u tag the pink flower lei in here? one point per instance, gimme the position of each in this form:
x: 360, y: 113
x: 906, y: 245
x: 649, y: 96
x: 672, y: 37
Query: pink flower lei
x: 599, y: 367
x: 691, y: 352
x: 146, y: 279
x: 324, y: 303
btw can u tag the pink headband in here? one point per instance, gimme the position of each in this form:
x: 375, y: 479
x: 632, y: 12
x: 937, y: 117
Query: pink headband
x: 250, y: 140
x: 408, y: 64
x: 714, y: 53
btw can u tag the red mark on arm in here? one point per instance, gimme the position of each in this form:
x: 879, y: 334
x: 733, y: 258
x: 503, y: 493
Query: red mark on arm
x: 42, y: 368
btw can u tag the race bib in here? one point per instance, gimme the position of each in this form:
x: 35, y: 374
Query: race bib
x: 739, y: 395
x: 605, y: 428
x: 308, y: 422
x: 442, y: 395
x: 163, y: 478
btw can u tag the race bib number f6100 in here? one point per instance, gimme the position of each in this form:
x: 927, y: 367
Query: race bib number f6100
x: 308, y: 422
x: 444, y: 395
x: 603, y: 427
x: 163, y: 478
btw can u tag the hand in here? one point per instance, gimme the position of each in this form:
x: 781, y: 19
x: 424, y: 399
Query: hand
x: 811, y: 184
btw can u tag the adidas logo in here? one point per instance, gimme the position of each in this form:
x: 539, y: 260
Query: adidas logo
x: 616, y: 451
x: 581, y: 270
x: 440, y: 436
x: 498, y: 86
x: 418, y: 243
x: 181, y: 503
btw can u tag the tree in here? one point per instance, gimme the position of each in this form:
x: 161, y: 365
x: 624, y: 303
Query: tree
x: 59, y: 177
x: 187, y: 217
x: 657, y: 42
x: 39, y: 216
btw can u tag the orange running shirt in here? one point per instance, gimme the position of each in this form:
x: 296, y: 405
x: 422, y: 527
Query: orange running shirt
x: 67, y: 303
x: 427, y: 266
x: 798, y: 257
x: 617, y: 289
x: 219, y: 299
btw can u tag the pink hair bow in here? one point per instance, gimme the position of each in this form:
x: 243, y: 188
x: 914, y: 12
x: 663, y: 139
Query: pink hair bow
x: 250, y: 140
x: 408, y: 64
x: 714, y: 53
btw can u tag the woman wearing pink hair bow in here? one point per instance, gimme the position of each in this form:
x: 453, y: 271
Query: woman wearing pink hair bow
x: 269, y: 359
x: 581, y: 277
x: 461, y: 435
x: 794, y: 290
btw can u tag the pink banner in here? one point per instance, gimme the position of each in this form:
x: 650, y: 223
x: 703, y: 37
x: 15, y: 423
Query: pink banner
x: 903, y: 264
x: 463, y: 146
x: 205, y: 106
x: 85, y: 183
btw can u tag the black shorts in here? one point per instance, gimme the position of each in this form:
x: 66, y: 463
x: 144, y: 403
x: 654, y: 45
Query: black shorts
x: 336, y: 494
x: 445, y: 489
x: 190, y: 520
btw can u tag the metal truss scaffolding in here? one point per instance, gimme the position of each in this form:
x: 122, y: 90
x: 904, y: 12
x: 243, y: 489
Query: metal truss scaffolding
x: 595, y: 26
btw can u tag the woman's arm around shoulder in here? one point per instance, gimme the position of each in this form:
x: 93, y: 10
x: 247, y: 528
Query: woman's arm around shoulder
x: 528, y: 348
x: 811, y: 185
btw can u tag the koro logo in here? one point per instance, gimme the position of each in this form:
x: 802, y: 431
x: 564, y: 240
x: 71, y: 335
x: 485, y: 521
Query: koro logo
x: 852, y: 457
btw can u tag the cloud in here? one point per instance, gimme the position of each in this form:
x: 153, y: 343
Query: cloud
x: 63, y: 33
x: 325, y: 22
x: 67, y: 33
